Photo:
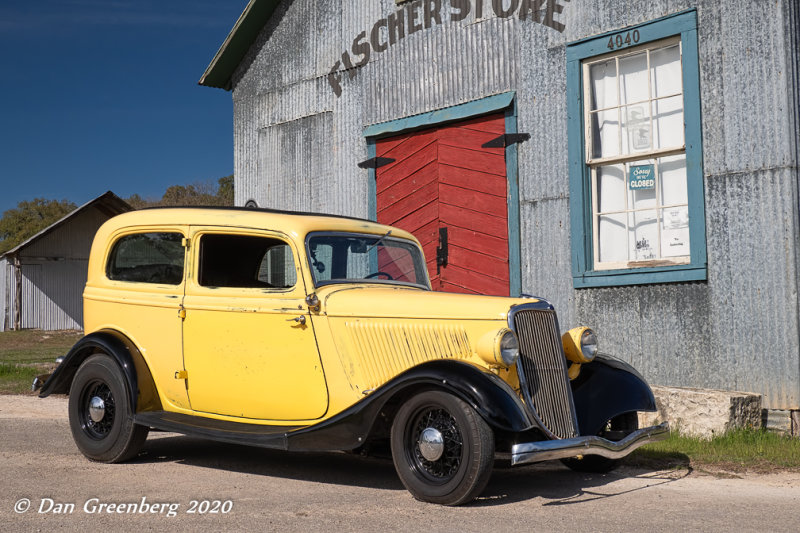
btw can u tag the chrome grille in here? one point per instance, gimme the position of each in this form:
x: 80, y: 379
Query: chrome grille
x: 542, y: 368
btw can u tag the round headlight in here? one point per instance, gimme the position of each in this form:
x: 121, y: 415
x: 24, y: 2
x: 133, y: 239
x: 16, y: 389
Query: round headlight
x: 588, y: 344
x: 509, y: 348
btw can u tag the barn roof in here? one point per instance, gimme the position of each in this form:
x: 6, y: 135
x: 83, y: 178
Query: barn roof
x: 237, y: 43
x: 108, y: 203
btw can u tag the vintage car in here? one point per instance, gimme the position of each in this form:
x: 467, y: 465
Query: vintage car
x: 308, y: 332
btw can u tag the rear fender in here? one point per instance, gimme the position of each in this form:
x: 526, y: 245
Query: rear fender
x: 140, y: 386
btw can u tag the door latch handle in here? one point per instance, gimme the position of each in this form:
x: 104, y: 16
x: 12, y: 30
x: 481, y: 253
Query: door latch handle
x: 299, y: 319
x: 442, y: 251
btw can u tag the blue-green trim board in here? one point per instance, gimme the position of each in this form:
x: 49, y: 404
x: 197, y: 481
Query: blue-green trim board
x: 490, y: 104
x: 583, y: 275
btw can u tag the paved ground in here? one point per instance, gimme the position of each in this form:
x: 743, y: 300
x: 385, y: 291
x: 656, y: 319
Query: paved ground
x: 276, y: 491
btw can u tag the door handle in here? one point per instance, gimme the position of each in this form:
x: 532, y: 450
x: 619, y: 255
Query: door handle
x: 298, y: 319
x: 441, y: 250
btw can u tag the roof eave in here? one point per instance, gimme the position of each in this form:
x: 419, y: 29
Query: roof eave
x: 244, y: 33
x: 108, y: 198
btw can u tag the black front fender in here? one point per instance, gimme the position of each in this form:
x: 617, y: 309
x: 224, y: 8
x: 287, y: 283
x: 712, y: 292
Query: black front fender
x: 123, y: 351
x: 489, y: 395
x: 608, y: 387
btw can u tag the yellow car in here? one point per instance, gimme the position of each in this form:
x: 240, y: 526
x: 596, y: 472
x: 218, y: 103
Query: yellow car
x: 308, y: 332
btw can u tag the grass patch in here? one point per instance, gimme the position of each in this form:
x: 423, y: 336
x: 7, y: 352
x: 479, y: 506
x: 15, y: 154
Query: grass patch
x: 17, y: 379
x: 27, y: 353
x: 742, y: 450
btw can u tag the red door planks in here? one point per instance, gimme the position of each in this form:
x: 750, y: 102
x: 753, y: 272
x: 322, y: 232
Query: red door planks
x: 443, y: 178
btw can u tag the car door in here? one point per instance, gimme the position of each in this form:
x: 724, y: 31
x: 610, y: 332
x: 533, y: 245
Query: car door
x: 249, y: 344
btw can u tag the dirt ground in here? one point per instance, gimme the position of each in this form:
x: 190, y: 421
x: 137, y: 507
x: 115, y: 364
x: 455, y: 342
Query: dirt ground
x: 180, y: 481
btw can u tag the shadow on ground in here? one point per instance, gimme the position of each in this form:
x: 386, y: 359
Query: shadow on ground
x: 551, y: 481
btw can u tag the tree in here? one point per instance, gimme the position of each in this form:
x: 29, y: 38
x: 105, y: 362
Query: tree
x: 29, y: 218
x: 201, y: 193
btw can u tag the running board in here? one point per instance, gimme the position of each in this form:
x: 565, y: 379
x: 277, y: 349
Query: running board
x: 274, y: 437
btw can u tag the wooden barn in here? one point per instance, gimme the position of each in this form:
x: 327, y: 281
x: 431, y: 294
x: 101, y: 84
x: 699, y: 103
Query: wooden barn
x: 42, y: 279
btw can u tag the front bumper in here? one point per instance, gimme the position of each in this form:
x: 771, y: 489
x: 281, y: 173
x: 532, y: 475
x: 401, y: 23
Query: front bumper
x: 532, y: 452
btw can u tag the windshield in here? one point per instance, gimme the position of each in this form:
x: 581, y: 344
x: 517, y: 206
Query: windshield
x: 356, y: 257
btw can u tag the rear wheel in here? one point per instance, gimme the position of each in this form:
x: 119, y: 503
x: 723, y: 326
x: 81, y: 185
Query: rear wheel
x: 616, y: 429
x: 100, y: 413
x: 441, y: 448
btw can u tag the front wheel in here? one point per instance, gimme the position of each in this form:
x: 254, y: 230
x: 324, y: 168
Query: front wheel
x: 441, y: 448
x: 100, y: 413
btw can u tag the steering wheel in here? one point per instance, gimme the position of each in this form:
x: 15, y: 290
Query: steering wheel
x: 378, y: 273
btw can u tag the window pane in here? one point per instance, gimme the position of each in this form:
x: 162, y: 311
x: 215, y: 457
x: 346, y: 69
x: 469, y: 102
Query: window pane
x: 604, y: 84
x: 643, y: 236
x: 633, y: 78
x: 277, y: 267
x: 672, y: 174
x: 610, y: 188
x: 668, y: 122
x: 148, y: 258
x: 665, y: 71
x: 238, y: 261
x: 675, y: 232
x: 365, y: 258
x: 635, y: 128
x: 605, y: 133
x: 612, y: 246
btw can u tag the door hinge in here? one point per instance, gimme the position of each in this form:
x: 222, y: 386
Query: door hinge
x: 185, y: 242
x: 182, y: 312
x: 441, y: 250
x: 375, y: 162
x: 181, y: 374
x: 507, y: 139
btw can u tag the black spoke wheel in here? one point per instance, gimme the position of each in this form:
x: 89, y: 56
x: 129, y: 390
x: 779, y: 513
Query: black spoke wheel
x: 441, y: 448
x: 100, y: 414
x: 616, y: 429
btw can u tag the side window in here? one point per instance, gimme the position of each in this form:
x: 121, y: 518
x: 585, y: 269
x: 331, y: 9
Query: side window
x: 636, y: 181
x: 245, y: 261
x: 147, y: 258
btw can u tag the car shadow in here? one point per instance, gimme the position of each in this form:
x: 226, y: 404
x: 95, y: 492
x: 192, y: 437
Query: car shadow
x: 550, y: 481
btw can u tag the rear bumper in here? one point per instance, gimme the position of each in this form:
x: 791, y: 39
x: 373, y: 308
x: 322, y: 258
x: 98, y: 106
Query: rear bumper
x: 532, y: 452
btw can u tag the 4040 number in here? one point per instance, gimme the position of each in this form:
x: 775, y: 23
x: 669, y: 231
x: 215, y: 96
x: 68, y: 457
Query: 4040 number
x: 619, y: 40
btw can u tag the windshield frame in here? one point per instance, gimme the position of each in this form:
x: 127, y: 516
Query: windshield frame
x: 381, y: 237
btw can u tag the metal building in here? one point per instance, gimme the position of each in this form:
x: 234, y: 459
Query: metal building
x: 42, y: 279
x: 646, y: 154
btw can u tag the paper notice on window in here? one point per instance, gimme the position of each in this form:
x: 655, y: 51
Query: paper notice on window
x: 675, y: 232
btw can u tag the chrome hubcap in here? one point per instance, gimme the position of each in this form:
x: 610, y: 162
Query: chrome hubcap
x: 97, y: 409
x: 431, y: 444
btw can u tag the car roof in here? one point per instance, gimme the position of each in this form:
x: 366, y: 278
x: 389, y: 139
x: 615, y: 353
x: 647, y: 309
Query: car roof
x: 291, y: 222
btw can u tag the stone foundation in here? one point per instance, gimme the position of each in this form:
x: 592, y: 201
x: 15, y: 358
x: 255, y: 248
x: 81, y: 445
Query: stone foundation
x: 702, y: 412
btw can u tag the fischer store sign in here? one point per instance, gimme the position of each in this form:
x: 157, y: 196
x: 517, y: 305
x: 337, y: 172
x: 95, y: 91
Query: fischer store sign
x: 422, y: 14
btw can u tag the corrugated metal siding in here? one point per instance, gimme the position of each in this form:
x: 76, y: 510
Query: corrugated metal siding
x: 52, y: 294
x: 5, y: 300
x: 739, y: 330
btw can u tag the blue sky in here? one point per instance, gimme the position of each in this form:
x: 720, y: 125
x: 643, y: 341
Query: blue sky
x: 100, y: 95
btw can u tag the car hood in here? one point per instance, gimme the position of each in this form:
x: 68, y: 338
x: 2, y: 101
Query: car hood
x: 371, y: 301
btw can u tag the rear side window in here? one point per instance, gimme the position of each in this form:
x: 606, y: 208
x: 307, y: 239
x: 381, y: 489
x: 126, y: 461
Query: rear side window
x: 245, y: 261
x: 147, y: 258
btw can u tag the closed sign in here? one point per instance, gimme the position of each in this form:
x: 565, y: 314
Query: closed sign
x: 642, y: 177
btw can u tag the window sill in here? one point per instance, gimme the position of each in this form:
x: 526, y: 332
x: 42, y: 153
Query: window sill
x: 640, y: 276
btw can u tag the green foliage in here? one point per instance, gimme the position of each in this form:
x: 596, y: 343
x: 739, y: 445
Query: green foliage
x: 225, y: 190
x: 203, y: 193
x: 29, y: 218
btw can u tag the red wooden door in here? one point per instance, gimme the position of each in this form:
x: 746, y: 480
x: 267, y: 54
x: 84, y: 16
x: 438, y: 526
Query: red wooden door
x: 443, y: 184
